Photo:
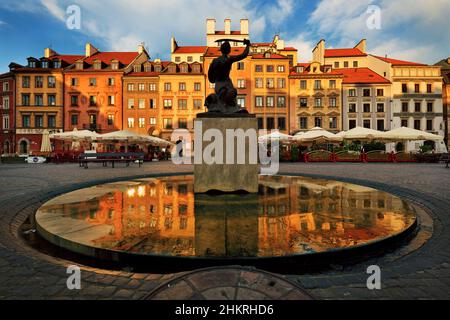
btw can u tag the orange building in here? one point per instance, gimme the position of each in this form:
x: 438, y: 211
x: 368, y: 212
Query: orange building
x: 445, y: 70
x: 93, y: 89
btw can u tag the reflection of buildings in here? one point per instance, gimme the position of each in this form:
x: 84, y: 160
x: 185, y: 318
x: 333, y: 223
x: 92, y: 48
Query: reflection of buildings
x: 289, y: 215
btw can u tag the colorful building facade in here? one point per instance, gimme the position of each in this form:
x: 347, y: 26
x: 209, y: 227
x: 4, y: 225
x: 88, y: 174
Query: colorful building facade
x: 7, y: 114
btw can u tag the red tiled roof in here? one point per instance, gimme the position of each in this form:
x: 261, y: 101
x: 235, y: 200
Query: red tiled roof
x: 361, y: 75
x: 396, y: 62
x: 307, y: 71
x: 191, y: 49
x: 272, y: 56
x: 68, y: 58
x: 124, y: 58
x: 336, y: 53
x: 215, y: 52
x: 232, y: 32
x: 289, y: 49
x: 263, y: 44
x: 143, y: 74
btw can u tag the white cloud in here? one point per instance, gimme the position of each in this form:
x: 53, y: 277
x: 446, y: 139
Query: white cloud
x: 54, y: 9
x: 304, y: 46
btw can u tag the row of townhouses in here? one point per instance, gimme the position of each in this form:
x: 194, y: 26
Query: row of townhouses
x: 108, y: 91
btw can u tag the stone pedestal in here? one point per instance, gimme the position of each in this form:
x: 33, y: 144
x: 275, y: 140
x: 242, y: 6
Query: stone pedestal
x: 227, y: 177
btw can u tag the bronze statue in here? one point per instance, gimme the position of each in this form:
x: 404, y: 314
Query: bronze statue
x: 224, y: 100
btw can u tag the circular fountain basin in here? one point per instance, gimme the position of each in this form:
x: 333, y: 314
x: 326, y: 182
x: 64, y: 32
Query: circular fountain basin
x: 161, y: 218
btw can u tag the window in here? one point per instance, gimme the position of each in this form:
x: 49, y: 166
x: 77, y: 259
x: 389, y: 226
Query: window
x: 404, y: 88
x: 26, y: 99
x: 417, y: 88
x: 333, y: 123
x: 182, y: 123
x: 270, y: 123
x: 259, y: 102
x: 405, y: 107
x: 111, y: 100
x: 57, y: 64
x: 281, y: 83
x: 130, y: 122
x: 380, y: 92
x: 38, y: 100
x: 110, y: 119
x: 318, y: 122
x: 26, y: 121
x: 380, y: 125
x: 404, y: 123
x: 270, y: 83
x: 366, y: 107
x: 269, y: 68
x: 240, y: 65
x: 74, y: 119
x: 141, y: 86
x: 182, y: 86
x: 366, y: 92
x: 38, y: 121
x: 51, y: 100
x: 429, y: 88
x: 282, y: 123
x: 197, y: 104
x: 318, y: 102
x: 190, y: 59
x: 92, y: 101
x: 303, y: 85
x: 74, y: 101
x: 241, y: 83
x: 241, y: 102
x: 177, y: 59
x: 197, y: 86
x: 429, y: 124
x: 167, y: 103
x: 429, y: 106
x: 352, y: 92
x: 333, y: 102
x: 270, y: 102
x: 92, y: 82
x: 380, y: 107
x: 6, y: 122
x: 355, y: 64
x: 130, y: 103
x: 74, y: 82
x: 280, y: 68
x: 336, y: 65
x: 332, y: 84
x: 417, y: 107
x: 303, y: 122
x: 260, y: 123
x: 130, y: 87
x: 141, y: 122
x: 25, y: 82
x: 345, y: 64
x: 167, y: 123
x: 351, y: 124
x: 141, y: 103
x: 303, y: 103
x: 352, y: 108
x: 44, y: 64
x: 97, y: 65
x: 51, y: 82
x: 317, y: 85
x: 281, y: 102
x: 259, y: 83
x: 111, y: 82
x: 182, y: 104
x: 152, y: 104
x: 417, y: 124
x: 167, y: 86
x: 6, y: 103
x: 258, y: 68
x: 152, y: 86
x: 366, y: 123
x: 152, y: 121
x: 38, y: 82
x: 51, y: 121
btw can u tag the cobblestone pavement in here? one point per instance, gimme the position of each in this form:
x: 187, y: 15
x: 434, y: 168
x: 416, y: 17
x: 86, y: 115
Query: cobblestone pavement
x: 423, y: 273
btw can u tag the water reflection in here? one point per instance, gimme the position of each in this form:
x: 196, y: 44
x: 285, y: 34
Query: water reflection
x: 289, y: 215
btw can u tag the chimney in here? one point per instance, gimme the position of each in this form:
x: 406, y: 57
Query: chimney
x: 361, y: 46
x: 49, y: 53
x: 319, y: 52
x: 227, y: 26
x: 173, y: 45
x: 244, y: 27
x: 141, y: 48
x: 90, y: 50
x: 210, y: 26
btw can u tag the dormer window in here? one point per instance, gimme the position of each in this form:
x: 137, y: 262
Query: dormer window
x: 79, y: 65
x: 196, y: 68
x: 267, y: 55
x: 327, y: 69
x: 148, y: 68
x: 173, y: 69
x: 158, y: 68
x: 57, y: 64
x: 184, y: 68
x: 115, y: 65
x: 137, y: 68
x: 300, y: 69
x: 44, y: 64
x: 32, y: 64
x: 97, y: 64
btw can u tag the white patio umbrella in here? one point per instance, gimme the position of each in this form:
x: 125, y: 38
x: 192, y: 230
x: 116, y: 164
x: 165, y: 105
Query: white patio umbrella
x: 409, y: 134
x: 75, y: 135
x: 46, y: 145
x: 362, y: 134
x: 317, y: 134
x: 277, y: 136
x: 123, y: 135
x: 156, y: 141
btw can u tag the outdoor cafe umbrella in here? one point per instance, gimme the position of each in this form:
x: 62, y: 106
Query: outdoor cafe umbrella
x: 409, y: 134
x: 317, y: 134
x: 275, y: 136
x: 46, y: 145
x: 362, y: 134
x: 75, y: 135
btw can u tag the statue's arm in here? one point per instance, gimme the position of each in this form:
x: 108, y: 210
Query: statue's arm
x: 241, y: 56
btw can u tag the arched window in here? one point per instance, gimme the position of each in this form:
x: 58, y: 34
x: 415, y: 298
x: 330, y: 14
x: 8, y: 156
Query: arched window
x: 23, y: 147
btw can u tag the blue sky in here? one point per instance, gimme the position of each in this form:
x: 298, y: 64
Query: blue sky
x: 413, y: 30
